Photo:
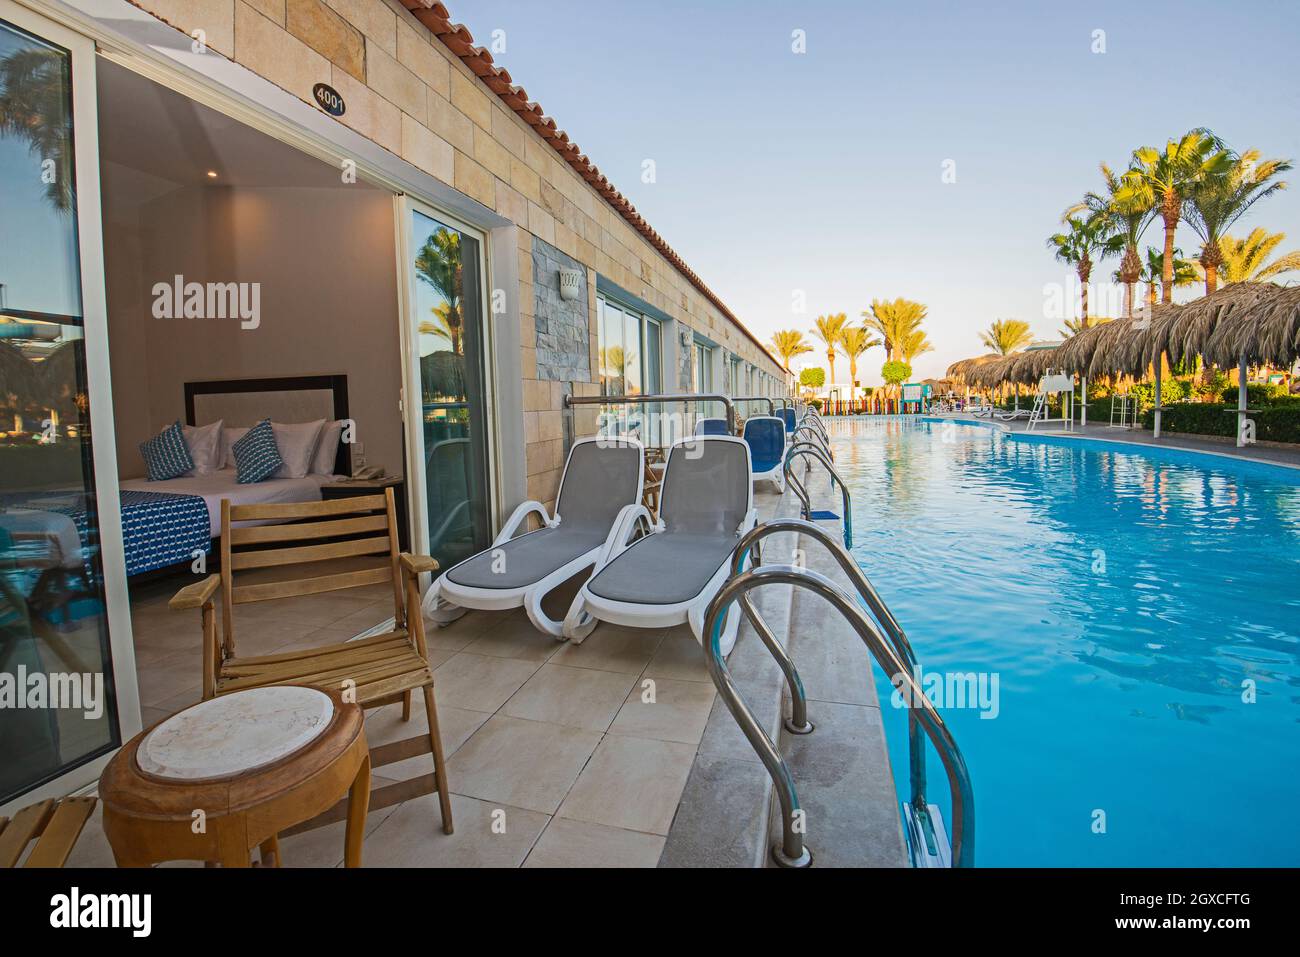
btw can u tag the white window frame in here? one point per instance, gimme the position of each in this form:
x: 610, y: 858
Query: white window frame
x: 94, y: 312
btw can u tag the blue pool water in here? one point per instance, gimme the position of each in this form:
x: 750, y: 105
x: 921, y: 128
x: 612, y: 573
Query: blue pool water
x: 1127, y: 601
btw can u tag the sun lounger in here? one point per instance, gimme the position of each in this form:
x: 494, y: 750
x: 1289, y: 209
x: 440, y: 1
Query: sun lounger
x: 711, y: 427
x: 765, y: 435
x: 598, y: 505
x: 668, y: 577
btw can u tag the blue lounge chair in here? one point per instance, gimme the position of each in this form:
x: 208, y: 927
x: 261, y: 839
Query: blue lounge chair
x: 765, y: 435
x: 712, y: 427
x: 787, y: 416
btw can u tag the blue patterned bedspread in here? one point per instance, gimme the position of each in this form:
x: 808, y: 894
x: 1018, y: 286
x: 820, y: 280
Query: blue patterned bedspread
x: 158, y: 528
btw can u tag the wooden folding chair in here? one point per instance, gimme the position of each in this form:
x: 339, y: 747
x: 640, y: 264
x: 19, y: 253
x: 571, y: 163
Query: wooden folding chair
x: 53, y: 825
x: 374, y: 671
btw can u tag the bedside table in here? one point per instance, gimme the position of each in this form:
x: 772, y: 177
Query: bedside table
x: 347, y: 488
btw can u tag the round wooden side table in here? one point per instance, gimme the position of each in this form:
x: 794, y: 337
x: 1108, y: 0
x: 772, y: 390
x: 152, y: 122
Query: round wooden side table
x: 227, y: 775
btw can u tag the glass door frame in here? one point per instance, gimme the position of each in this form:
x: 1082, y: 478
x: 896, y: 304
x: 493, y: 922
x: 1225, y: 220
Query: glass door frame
x: 404, y: 208
x: 94, y: 310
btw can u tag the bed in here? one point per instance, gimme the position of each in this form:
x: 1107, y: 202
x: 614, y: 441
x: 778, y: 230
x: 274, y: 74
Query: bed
x: 167, y: 523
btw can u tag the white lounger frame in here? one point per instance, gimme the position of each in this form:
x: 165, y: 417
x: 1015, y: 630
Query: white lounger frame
x: 446, y: 600
x: 587, y: 607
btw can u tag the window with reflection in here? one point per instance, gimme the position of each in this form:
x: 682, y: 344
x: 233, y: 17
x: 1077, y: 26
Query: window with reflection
x: 57, y: 705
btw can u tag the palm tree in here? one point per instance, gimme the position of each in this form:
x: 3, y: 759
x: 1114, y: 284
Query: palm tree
x: 855, y: 340
x: 1162, y: 179
x: 1216, y: 202
x: 1246, y: 260
x: 894, y: 321
x: 1122, y: 225
x: 438, y: 264
x: 788, y: 344
x: 35, y: 106
x: 828, y: 329
x: 914, y: 344
x: 1185, y: 272
x: 1084, y: 239
x: 1005, y: 336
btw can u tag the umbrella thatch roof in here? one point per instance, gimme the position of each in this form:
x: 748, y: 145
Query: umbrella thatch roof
x: 60, y: 374
x: 18, y: 376
x: 1265, y: 328
x: 1117, y: 347
x: 962, y: 368
x: 1183, y: 332
x: 991, y: 374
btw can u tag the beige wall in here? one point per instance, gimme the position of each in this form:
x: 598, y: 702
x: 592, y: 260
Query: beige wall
x: 407, y: 92
x: 325, y: 308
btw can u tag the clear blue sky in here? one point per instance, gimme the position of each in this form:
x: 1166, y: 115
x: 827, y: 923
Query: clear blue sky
x: 822, y: 171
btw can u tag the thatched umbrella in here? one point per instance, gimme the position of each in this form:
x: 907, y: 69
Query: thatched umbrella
x: 18, y: 378
x: 63, y: 379
x: 961, y: 369
x: 1264, y: 331
x: 1185, y: 332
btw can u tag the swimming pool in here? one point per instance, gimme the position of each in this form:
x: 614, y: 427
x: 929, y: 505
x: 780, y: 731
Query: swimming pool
x: 1140, y: 615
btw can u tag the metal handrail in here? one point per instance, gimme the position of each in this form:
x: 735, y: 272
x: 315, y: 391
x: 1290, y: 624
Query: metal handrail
x: 792, y: 852
x: 819, y: 440
x: 875, y: 604
x: 810, y: 422
x: 571, y: 400
x: 771, y: 404
x: 799, y: 449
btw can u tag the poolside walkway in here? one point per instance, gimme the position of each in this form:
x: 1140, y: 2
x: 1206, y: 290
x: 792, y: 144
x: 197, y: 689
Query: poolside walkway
x: 1272, y: 454
x: 559, y: 755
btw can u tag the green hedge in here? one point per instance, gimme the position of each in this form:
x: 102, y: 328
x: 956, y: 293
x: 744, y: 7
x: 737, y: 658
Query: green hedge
x: 1257, y: 394
x: 1275, y: 423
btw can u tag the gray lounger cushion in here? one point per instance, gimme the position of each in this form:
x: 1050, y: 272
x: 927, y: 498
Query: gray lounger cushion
x: 663, y: 569
x: 706, y: 492
x: 598, y: 482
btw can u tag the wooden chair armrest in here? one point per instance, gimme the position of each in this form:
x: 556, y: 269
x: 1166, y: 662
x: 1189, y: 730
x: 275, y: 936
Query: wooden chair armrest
x: 416, y: 564
x: 196, y: 595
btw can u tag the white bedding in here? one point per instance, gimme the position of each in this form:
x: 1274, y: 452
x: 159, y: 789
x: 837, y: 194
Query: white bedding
x: 215, y: 486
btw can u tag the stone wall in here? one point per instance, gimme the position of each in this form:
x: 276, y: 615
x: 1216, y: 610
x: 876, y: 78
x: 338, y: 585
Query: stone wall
x: 561, y: 326
x: 408, y: 93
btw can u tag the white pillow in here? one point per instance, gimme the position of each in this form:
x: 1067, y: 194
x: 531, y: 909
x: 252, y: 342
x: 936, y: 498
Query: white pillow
x: 328, y: 449
x: 204, y: 443
x: 228, y: 438
x: 297, y: 442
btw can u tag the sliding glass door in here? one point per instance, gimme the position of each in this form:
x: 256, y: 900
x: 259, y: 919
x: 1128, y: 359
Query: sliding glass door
x: 449, y: 431
x: 60, y: 541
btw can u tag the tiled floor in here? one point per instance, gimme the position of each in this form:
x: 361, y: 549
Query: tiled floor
x: 558, y: 754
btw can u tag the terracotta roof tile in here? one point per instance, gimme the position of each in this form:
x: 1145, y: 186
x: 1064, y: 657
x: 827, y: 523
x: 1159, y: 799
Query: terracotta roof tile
x: 457, y: 38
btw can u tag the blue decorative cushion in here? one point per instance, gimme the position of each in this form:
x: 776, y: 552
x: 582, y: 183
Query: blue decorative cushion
x: 166, y: 455
x: 257, y: 457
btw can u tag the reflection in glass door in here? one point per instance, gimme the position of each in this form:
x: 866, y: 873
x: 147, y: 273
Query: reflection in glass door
x: 447, y: 309
x: 57, y: 700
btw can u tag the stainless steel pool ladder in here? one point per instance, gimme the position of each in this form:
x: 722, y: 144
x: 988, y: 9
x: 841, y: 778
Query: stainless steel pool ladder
x: 812, y: 450
x: 887, y: 643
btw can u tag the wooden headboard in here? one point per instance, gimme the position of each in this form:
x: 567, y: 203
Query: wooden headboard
x: 244, y: 402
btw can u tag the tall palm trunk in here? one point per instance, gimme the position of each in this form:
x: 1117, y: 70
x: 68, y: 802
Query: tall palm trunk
x: 1085, y: 272
x: 830, y: 357
x: 1130, y: 270
x: 1170, y: 212
x: 1211, y: 259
